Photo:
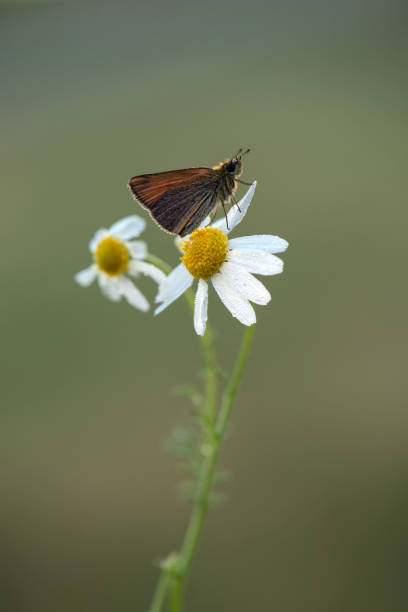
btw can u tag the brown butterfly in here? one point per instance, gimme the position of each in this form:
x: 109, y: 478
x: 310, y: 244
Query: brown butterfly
x: 179, y: 200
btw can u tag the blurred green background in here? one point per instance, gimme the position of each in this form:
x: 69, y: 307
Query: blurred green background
x: 317, y: 514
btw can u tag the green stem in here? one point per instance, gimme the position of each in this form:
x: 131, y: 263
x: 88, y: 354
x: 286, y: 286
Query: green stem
x: 160, y: 592
x: 176, y: 596
x: 156, y: 261
x: 174, y: 573
x: 207, y: 346
x: 207, y: 472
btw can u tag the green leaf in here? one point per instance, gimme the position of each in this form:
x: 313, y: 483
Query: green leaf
x: 191, y: 393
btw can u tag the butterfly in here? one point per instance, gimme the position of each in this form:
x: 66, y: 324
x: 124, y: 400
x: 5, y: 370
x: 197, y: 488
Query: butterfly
x: 179, y: 200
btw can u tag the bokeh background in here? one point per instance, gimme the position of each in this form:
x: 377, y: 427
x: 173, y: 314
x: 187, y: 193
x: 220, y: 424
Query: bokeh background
x: 93, y: 94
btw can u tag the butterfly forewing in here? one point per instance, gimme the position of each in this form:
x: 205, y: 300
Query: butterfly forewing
x: 177, y: 200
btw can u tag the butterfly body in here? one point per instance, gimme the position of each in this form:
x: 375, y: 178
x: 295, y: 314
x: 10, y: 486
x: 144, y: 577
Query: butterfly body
x: 179, y: 200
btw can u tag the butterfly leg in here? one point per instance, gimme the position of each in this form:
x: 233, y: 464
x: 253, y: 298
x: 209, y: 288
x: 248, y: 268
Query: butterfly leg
x: 243, y: 182
x: 236, y: 204
x: 225, y: 213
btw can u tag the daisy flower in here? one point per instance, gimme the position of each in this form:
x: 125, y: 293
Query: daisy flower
x: 116, y: 256
x: 208, y: 254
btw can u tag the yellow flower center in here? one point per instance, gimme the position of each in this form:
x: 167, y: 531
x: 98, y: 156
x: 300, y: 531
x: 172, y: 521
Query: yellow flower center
x: 205, y: 252
x: 111, y: 256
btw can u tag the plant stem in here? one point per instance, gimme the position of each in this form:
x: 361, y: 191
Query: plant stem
x: 207, y: 472
x: 208, y: 422
x: 156, y: 261
x: 176, y: 567
x: 176, y: 596
x: 160, y: 591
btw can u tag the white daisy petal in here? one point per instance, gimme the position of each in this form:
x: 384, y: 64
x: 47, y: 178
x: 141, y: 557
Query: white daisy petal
x: 234, y: 215
x: 136, y: 248
x: 97, y: 237
x: 133, y: 295
x: 137, y: 267
x: 110, y: 287
x: 221, y: 223
x: 129, y: 227
x: 256, y: 262
x: 176, y: 283
x: 163, y: 306
x: 238, y: 306
x: 267, y: 243
x: 245, y: 284
x: 87, y: 276
x: 167, y: 303
x: 201, y: 307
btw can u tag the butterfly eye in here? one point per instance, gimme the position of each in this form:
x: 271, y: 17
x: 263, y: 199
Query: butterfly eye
x: 230, y: 167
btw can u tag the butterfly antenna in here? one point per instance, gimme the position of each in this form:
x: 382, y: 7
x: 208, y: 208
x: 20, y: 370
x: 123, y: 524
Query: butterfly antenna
x: 241, y: 153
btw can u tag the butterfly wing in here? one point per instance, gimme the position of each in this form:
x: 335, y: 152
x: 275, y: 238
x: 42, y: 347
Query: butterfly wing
x: 177, y: 200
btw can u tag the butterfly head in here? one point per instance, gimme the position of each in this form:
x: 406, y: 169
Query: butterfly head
x: 234, y: 165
